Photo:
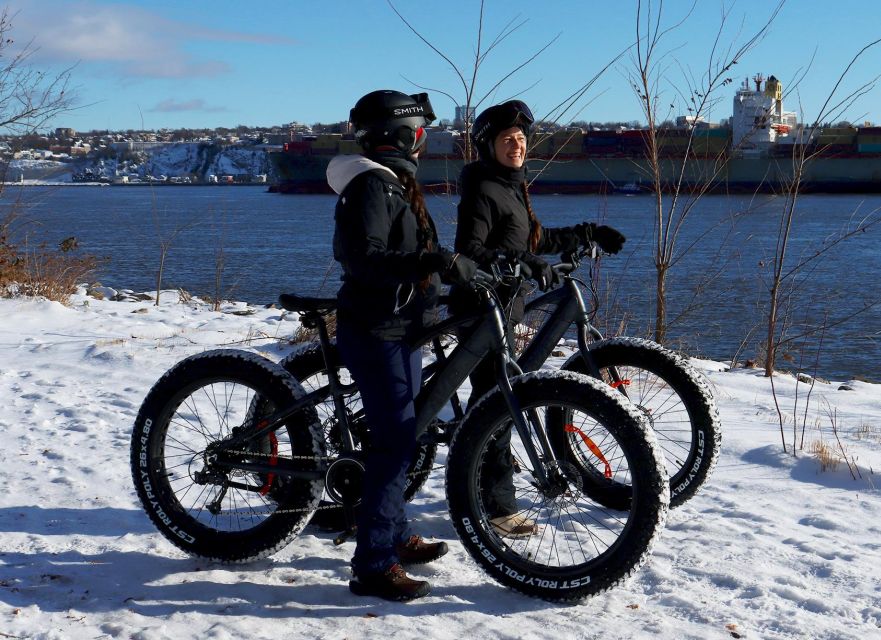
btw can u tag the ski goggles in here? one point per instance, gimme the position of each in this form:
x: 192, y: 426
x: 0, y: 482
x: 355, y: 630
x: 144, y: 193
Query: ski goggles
x: 516, y: 113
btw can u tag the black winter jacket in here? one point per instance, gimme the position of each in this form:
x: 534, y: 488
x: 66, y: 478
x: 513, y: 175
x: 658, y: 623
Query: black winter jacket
x: 377, y: 242
x: 493, y: 219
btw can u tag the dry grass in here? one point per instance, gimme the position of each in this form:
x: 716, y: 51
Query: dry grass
x: 828, y: 448
x: 41, y: 270
x: 524, y: 333
x: 866, y: 431
x: 306, y: 334
x: 53, y: 275
x: 827, y: 456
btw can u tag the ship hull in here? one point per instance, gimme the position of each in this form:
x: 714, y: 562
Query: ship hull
x: 306, y: 174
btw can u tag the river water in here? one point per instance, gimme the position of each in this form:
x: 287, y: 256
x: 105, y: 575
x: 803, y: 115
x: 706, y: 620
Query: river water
x: 269, y: 243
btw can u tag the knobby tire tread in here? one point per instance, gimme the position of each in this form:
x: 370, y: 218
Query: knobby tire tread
x: 278, y: 529
x: 694, y: 392
x: 632, y: 434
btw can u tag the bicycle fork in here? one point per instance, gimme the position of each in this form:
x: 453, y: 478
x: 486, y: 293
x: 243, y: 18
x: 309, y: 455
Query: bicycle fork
x: 529, y: 428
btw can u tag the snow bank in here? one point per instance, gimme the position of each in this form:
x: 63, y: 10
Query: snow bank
x: 771, y: 548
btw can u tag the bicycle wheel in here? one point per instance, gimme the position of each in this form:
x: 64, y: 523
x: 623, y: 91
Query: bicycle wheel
x: 207, y: 509
x: 308, y: 367
x: 578, y: 547
x: 674, y: 398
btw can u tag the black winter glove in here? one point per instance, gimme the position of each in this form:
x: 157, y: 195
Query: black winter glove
x: 539, y: 270
x: 454, y: 268
x: 608, y: 239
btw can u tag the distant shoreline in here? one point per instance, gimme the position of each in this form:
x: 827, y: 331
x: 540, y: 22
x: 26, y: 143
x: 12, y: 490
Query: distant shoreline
x: 135, y: 184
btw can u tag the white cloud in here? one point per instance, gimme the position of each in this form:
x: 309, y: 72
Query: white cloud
x: 172, y: 105
x: 133, y: 40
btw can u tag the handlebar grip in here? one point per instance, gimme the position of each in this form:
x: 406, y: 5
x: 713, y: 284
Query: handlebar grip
x: 484, y: 277
x: 570, y: 261
x: 564, y: 267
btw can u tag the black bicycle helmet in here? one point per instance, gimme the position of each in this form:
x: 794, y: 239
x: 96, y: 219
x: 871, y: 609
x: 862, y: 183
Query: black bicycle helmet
x: 496, y: 119
x: 391, y: 119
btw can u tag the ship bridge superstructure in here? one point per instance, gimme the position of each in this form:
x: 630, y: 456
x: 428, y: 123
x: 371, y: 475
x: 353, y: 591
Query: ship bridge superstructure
x: 758, y: 119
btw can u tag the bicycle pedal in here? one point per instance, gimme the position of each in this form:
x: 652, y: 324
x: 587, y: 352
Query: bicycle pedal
x: 443, y: 431
x: 345, y: 535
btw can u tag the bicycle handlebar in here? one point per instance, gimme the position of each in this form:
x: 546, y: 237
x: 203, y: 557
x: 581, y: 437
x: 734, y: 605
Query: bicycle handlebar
x: 591, y: 251
x: 484, y: 278
x: 510, y: 272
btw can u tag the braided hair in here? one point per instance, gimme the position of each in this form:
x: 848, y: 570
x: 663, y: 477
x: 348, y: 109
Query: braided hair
x: 534, y: 224
x: 413, y: 193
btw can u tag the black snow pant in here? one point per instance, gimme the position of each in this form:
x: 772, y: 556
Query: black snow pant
x: 497, y: 476
x: 388, y: 374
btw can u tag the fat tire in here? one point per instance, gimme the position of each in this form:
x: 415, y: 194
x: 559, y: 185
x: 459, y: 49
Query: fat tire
x: 308, y: 362
x: 288, y: 508
x: 687, y: 472
x: 639, y: 528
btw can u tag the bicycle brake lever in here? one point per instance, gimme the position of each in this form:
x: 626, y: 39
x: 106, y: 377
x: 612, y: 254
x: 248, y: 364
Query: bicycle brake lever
x: 592, y: 252
x: 573, y: 258
x: 496, y: 271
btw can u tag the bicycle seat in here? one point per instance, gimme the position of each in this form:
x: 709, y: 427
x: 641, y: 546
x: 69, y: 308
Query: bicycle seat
x: 293, y: 302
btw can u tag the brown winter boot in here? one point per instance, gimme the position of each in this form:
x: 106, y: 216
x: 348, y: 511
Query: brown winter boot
x: 393, y: 584
x: 514, y: 526
x: 415, y: 550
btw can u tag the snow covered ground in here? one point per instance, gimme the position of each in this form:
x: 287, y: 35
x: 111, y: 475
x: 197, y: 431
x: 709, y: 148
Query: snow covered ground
x: 172, y: 160
x: 773, y: 547
x: 25, y: 171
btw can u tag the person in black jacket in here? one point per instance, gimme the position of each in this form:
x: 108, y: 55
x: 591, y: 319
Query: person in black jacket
x: 385, y: 242
x: 495, y: 217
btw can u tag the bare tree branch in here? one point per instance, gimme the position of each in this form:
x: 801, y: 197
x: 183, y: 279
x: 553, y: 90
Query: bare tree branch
x: 430, y: 45
x: 675, y: 199
x: 480, y: 55
x: 824, y: 108
x: 434, y: 89
x: 28, y: 97
x: 517, y: 68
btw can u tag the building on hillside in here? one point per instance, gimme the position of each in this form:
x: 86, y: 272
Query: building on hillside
x: 279, y: 138
x: 687, y: 122
x: 137, y: 145
x: 463, y: 114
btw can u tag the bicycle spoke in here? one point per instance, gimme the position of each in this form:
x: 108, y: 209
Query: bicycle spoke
x: 571, y: 529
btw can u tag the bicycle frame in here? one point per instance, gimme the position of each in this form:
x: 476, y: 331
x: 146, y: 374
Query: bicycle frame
x: 489, y: 336
x: 569, y: 308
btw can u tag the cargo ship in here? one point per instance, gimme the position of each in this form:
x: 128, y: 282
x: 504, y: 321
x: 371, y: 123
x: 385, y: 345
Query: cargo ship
x: 753, y: 151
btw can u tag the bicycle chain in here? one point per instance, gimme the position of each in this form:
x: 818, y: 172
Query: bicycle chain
x: 259, y: 454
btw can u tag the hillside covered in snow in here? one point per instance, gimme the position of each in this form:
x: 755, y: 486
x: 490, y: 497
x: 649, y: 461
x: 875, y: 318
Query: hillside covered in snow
x: 197, y: 162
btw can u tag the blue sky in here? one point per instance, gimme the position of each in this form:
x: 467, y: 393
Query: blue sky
x: 195, y: 63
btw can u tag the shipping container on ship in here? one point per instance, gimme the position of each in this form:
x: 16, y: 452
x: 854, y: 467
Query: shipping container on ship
x: 752, y: 153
